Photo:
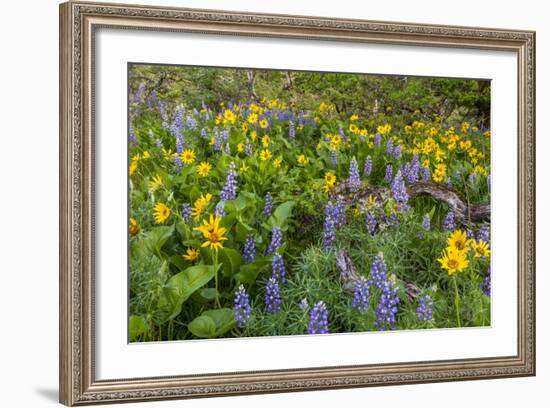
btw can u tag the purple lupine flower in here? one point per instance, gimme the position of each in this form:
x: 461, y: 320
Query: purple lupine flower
x: 191, y: 123
x: 389, y: 147
x: 177, y: 124
x: 472, y: 178
x: 219, y: 210
x: 179, y: 145
x: 393, y: 220
x: 426, y: 224
x: 334, y: 157
x: 340, y: 211
x: 186, y: 212
x: 248, y: 149
x: 204, y: 133
x: 242, y: 307
x: 469, y: 233
x: 276, y: 240
x: 377, y: 139
x: 449, y: 221
x: 303, y: 304
x: 159, y: 144
x: 343, y: 135
x: 139, y: 93
x: 318, y: 319
x: 291, y: 130
x: 371, y: 222
x: 412, y: 169
x: 484, y: 232
x: 399, y: 193
x: 163, y: 115
x: 354, y: 181
x: 361, y: 294
x: 424, y: 311
x: 378, y: 271
x: 249, y: 251
x: 426, y: 174
x: 272, y: 296
x: 278, y: 270
x: 388, y: 177
x: 178, y: 163
x: 268, y: 205
x: 329, y: 225
x: 449, y: 183
x: 367, y: 170
x: 397, y: 152
x: 229, y: 191
x: 486, y: 284
x: 387, y: 308
x: 132, y: 136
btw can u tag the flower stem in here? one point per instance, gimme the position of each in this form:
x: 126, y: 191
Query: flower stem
x: 215, y: 258
x: 457, y: 302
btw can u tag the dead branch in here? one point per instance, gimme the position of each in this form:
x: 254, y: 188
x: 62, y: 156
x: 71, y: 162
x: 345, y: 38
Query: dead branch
x: 462, y: 209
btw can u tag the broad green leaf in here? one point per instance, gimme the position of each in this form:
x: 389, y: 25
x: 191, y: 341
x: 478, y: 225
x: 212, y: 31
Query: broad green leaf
x: 157, y: 237
x: 182, y: 285
x: 208, y: 293
x: 281, y: 215
x: 203, y: 327
x: 231, y: 261
x: 137, y: 326
x: 249, y: 272
x: 242, y: 230
x: 212, y: 323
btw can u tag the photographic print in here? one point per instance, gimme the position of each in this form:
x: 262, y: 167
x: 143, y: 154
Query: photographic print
x: 276, y: 203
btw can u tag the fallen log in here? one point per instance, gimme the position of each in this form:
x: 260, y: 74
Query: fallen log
x: 461, y: 207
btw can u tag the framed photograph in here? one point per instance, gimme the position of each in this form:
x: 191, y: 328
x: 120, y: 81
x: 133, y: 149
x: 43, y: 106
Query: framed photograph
x: 256, y: 203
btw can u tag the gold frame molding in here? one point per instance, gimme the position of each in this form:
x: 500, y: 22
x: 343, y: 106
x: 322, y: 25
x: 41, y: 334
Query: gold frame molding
x: 78, y: 22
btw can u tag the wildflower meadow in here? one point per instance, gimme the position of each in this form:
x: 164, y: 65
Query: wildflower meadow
x: 267, y: 203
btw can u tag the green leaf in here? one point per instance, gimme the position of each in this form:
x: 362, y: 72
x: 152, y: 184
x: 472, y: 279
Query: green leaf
x: 281, y: 215
x: 212, y: 323
x: 137, y: 327
x: 182, y: 285
x: 208, y: 293
x: 231, y: 261
x: 203, y: 327
x: 157, y: 237
x: 242, y: 230
x: 249, y: 272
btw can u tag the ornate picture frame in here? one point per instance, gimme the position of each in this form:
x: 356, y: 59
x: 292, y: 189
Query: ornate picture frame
x: 78, y: 24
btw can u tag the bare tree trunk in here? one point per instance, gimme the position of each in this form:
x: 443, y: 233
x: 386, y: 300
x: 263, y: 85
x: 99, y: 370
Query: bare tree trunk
x: 251, y: 76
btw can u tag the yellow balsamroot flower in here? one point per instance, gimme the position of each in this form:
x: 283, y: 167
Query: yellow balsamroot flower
x: 200, y: 204
x: 385, y: 129
x: 155, y: 183
x: 372, y: 201
x: 191, y: 254
x: 133, y: 167
x: 465, y: 144
x: 161, y: 213
x: 465, y: 126
x: 330, y: 181
x: 252, y: 118
x: 145, y: 155
x: 264, y: 123
x: 353, y: 118
x: 266, y: 140
x: 244, y: 127
x: 203, y: 169
x: 244, y: 168
x: 453, y: 261
x: 353, y: 128
x: 212, y: 141
x: 240, y: 147
x: 188, y: 156
x: 326, y: 107
x: 426, y: 163
x: 133, y: 228
x: 213, y: 233
x: 439, y: 155
x: 265, y: 154
x: 480, y: 249
x: 254, y: 135
x: 459, y: 241
x: 229, y: 116
x: 408, y: 129
x: 168, y: 155
x: 277, y: 163
x: 303, y: 160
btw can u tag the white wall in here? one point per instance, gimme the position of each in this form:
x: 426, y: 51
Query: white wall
x: 28, y: 203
